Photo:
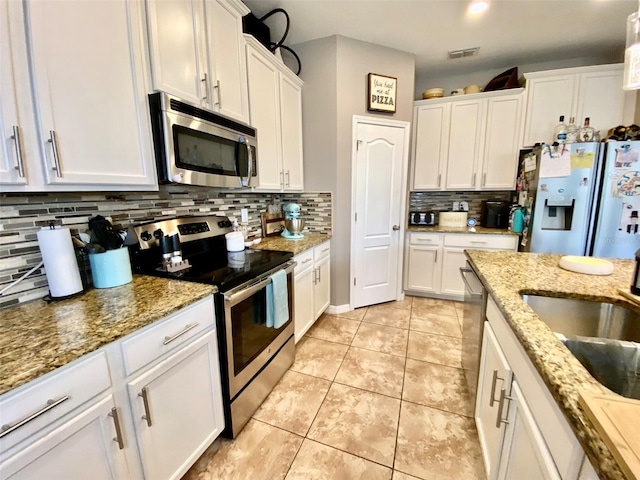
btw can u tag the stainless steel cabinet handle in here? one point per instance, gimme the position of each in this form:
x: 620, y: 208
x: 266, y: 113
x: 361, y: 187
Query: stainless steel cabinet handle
x: 305, y: 261
x: 282, y: 178
x: 484, y: 179
x: 424, y: 239
x: 53, y: 140
x: 7, y: 429
x: 325, y: 250
x: 319, y: 275
x: 316, y: 276
x: 190, y: 326
x: 436, y: 259
x: 494, y: 380
x: 205, y: 80
x: 439, y: 178
x: 116, y: 424
x: 217, y: 87
x: 145, y: 401
x: 478, y: 242
x: 18, y: 146
x: 288, y: 184
x: 474, y: 179
x: 503, y: 397
x: 396, y: 227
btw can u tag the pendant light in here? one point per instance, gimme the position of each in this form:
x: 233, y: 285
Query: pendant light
x: 631, y: 79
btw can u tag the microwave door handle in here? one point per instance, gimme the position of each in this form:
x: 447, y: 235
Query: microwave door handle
x: 243, y: 182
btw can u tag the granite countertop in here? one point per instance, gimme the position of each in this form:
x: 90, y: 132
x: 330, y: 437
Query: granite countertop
x: 508, y: 274
x: 476, y: 229
x: 38, y: 337
x: 310, y: 240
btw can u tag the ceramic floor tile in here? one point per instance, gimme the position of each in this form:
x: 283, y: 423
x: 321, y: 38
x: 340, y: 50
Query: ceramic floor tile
x: 320, y: 462
x: 373, y: 371
x: 260, y: 452
x: 437, y: 324
x: 334, y: 329
x: 435, y: 349
x: 318, y: 358
x: 437, y: 386
x: 198, y: 470
x: 437, y: 445
x: 434, y: 306
x: 380, y: 338
x: 356, y: 314
x: 362, y: 423
x: 294, y: 402
x: 389, y: 316
x: 402, y: 476
x: 404, y: 304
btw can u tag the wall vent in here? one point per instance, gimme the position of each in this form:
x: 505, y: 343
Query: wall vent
x: 466, y: 52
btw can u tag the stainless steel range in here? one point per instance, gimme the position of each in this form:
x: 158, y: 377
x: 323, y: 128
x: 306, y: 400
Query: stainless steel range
x: 253, y: 356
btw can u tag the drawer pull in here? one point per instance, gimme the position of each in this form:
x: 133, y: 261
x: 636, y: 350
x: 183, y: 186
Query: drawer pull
x: 190, y: 326
x: 7, y: 429
x: 116, y: 424
x: 325, y: 250
x: 478, y: 242
x: 145, y: 401
x: 305, y: 261
x: 424, y: 239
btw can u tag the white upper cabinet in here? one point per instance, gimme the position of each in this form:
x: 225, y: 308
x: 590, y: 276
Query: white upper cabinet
x: 469, y: 142
x: 92, y: 127
x: 275, y: 107
x: 595, y: 92
x: 197, y: 53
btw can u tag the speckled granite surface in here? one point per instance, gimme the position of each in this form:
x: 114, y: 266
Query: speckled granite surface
x: 310, y: 240
x: 506, y: 275
x: 480, y: 230
x: 38, y: 337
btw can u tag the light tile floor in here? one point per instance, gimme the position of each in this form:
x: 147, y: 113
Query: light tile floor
x: 377, y: 393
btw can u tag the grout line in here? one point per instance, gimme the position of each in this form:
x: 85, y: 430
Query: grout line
x: 471, y: 417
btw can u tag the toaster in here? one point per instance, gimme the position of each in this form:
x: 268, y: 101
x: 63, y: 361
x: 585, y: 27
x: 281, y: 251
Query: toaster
x: 422, y: 218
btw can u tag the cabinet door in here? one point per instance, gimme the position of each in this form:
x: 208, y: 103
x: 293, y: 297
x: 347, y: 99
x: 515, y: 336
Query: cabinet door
x: 423, y: 269
x: 304, y: 313
x: 227, y: 58
x: 321, y: 289
x: 602, y: 99
x: 548, y: 98
x: 82, y: 447
x: 525, y: 453
x: 264, y: 110
x: 178, y: 51
x: 453, y: 259
x: 495, y: 375
x: 177, y: 409
x: 431, y: 137
x: 466, y: 134
x: 291, y: 122
x: 91, y: 94
x: 502, y: 142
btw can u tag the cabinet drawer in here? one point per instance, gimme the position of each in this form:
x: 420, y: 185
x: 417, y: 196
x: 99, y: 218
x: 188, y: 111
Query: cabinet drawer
x: 321, y: 251
x: 424, y: 239
x: 144, y: 347
x: 474, y: 240
x: 49, y: 398
x: 304, y: 260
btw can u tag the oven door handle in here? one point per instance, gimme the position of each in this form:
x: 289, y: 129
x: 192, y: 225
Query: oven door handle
x: 252, y: 288
x: 463, y: 271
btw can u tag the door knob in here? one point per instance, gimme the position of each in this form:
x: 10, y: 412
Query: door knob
x: 396, y: 227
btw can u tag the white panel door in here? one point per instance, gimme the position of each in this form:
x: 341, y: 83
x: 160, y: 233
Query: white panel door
x: 92, y: 97
x: 178, y: 50
x: 502, y: 142
x: 291, y: 122
x: 322, y: 287
x: 379, y: 160
x: 431, y: 143
x: 466, y: 133
x: 423, y: 269
x: 304, y: 312
x: 182, y: 413
x: 453, y: 260
x: 264, y: 110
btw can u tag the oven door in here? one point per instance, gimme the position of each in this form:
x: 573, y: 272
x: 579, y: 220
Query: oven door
x: 250, y: 343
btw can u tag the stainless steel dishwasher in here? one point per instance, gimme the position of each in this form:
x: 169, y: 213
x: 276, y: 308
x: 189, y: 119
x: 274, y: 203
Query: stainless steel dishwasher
x: 475, y: 302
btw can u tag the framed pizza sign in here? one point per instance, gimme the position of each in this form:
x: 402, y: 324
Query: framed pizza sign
x: 382, y: 93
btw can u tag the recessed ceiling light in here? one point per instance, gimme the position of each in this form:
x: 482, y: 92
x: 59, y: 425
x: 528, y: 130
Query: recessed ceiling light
x: 477, y: 7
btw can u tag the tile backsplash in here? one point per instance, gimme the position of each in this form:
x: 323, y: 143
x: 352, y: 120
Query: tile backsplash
x: 443, y: 201
x: 22, y: 215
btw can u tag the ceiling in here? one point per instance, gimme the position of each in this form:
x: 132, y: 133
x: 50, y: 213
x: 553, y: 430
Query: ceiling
x: 510, y: 32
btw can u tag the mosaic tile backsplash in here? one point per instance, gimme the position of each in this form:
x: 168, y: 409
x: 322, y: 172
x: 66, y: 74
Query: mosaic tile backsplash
x: 443, y: 201
x: 22, y: 215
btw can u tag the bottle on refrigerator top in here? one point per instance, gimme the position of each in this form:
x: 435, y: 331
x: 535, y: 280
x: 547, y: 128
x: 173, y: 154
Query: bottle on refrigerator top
x: 572, y: 131
x: 586, y: 132
x: 560, y: 132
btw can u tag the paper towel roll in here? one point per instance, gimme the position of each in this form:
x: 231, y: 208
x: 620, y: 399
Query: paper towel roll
x: 60, y: 264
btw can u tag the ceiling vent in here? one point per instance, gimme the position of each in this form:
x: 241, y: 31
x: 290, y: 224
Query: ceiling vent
x: 467, y: 52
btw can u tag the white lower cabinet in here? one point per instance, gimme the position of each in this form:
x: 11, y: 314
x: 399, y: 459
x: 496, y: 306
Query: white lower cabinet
x: 433, y: 260
x: 312, y: 287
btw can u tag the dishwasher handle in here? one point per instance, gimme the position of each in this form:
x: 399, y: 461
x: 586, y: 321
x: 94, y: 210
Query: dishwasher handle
x: 463, y: 272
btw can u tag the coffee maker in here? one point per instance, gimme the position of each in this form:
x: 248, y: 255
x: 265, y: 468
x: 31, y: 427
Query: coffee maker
x: 495, y: 214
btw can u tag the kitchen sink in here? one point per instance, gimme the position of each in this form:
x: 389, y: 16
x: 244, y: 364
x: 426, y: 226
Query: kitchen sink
x: 604, y: 337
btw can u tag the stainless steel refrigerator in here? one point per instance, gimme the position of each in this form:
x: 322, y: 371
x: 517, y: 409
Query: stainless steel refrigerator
x: 581, y: 199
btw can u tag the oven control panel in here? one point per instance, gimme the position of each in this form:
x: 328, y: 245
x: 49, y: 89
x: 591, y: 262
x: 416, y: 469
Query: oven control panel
x: 187, y: 228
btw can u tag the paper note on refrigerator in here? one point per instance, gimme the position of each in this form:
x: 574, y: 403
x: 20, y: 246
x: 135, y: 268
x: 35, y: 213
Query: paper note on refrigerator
x: 580, y: 159
x: 555, y: 163
x: 625, y: 183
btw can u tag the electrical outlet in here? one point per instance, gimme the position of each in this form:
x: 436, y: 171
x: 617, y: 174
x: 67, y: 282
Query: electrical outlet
x: 244, y: 215
x: 456, y: 206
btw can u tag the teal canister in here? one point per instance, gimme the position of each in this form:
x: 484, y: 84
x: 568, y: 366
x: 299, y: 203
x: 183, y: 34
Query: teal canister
x: 111, y: 268
x: 517, y: 220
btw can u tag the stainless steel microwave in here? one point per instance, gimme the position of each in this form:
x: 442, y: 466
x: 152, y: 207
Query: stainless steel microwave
x: 194, y: 146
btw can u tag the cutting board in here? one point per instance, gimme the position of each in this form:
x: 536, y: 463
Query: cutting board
x: 617, y: 419
x: 629, y: 295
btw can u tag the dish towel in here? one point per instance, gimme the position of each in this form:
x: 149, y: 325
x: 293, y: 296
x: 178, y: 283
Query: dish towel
x: 277, y: 300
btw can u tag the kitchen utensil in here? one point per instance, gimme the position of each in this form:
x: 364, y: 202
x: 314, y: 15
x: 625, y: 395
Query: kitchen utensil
x: 586, y: 265
x: 102, y: 232
x: 94, y: 248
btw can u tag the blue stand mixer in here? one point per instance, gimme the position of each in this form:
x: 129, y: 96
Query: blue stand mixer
x: 293, y: 224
